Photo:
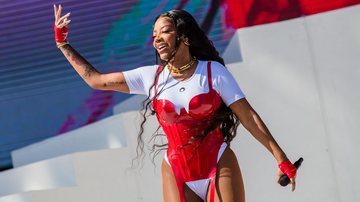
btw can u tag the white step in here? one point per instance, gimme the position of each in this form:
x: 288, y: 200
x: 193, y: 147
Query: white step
x: 104, y: 134
x: 53, y: 173
x: 22, y: 197
x: 99, y: 175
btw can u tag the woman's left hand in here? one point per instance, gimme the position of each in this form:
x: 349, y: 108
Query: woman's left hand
x: 287, y: 168
x: 253, y: 123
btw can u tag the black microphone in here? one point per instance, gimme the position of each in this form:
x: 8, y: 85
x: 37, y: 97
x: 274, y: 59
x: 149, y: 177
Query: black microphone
x: 284, y: 179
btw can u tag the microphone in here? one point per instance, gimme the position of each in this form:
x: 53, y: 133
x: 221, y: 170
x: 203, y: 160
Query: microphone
x: 284, y: 179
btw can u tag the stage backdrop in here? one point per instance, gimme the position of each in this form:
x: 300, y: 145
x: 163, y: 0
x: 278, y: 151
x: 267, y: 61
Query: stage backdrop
x: 41, y: 95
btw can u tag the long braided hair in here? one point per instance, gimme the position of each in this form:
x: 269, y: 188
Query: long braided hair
x: 203, y: 49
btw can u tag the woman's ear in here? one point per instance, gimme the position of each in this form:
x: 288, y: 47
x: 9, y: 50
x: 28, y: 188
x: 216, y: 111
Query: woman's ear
x: 186, y: 41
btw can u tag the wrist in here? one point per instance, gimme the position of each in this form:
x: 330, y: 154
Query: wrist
x: 287, y: 168
x: 60, y: 34
x: 281, y: 158
x: 61, y: 44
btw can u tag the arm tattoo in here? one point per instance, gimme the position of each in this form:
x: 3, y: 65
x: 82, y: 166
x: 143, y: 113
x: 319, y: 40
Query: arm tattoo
x: 89, y: 70
x: 75, y: 57
x: 114, y: 83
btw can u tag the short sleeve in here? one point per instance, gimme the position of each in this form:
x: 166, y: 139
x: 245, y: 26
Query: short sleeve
x: 139, y: 80
x: 225, y: 84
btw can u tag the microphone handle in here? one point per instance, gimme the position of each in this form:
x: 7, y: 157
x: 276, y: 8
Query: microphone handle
x: 284, y: 179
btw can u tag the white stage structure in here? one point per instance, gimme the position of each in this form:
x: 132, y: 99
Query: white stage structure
x: 301, y: 76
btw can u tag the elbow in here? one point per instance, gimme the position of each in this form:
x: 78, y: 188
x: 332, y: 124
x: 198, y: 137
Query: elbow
x: 94, y: 85
x: 93, y: 80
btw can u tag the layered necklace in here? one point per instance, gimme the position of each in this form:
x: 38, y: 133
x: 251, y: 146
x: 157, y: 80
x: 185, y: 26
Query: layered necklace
x: 178, y: 70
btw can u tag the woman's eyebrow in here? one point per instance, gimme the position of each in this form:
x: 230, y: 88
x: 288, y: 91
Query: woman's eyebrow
x: 162, y: 27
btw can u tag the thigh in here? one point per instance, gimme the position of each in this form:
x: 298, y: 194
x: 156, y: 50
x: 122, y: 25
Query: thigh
x: 229, y: 182
x: 170, y: 189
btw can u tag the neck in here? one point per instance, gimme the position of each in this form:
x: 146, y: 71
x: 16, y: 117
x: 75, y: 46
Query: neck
x: 180, y: 60
x: 179, y: 70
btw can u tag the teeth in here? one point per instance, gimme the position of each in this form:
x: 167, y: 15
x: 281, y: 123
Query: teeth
x: 161, y: 47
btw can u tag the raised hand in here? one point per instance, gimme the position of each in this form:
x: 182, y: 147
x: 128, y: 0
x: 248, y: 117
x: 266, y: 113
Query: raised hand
x: 60, y: 26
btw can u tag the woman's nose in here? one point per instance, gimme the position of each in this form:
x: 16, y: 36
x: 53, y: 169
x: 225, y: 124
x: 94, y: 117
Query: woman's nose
x: 157, y: 38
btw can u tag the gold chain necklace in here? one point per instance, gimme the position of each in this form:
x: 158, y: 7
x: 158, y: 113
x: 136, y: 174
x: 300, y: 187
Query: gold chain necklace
x: 176, y: 70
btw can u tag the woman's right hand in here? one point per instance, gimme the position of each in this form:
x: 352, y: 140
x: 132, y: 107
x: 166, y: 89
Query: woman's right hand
x: 60, y: 26
x: 111, y: 81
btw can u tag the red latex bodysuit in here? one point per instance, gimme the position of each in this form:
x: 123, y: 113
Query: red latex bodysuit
x: 197, y: 159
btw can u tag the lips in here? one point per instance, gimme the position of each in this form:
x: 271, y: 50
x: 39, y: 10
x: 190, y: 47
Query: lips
x: 160, y: 47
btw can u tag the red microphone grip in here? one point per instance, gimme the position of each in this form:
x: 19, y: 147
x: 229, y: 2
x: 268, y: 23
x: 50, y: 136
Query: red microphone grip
x: 284, y: 179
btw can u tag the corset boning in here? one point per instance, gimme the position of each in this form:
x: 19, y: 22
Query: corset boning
x: 193, y: 156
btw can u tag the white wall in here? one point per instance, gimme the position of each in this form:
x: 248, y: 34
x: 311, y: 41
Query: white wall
x: 302, y: 76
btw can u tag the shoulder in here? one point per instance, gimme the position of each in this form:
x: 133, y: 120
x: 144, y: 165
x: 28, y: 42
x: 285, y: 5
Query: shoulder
x: 142, y: 74
x: 215, y: 65
x: 216, y: 68
x: 139, y: 80
x: 219, y: 70
x: 147, y: 70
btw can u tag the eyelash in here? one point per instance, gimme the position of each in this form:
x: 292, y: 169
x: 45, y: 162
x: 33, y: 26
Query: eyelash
x: 163, y: 31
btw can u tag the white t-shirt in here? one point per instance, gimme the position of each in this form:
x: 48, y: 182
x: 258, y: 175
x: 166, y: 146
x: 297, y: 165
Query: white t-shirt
x: 180, y: 93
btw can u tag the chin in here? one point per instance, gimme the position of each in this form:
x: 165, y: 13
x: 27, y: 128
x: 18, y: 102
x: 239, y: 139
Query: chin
x: 164, y: 57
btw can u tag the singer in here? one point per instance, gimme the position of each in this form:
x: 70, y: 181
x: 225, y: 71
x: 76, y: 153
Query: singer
x: 197, y: 102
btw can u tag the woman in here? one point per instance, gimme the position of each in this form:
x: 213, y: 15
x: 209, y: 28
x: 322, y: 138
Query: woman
x: 197, y: 103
